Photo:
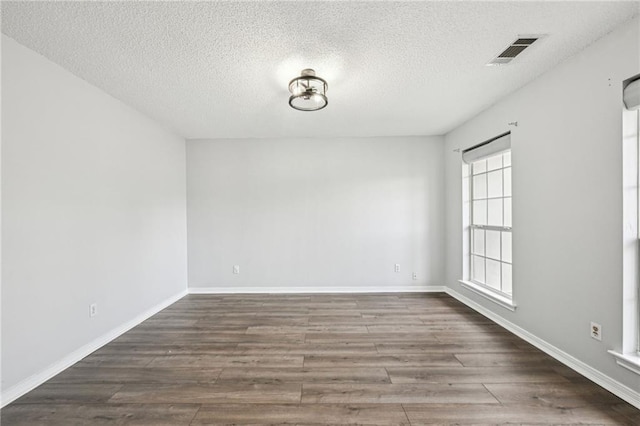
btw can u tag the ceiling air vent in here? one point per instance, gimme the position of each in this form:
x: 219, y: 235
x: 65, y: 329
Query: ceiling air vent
x: 513, y: 50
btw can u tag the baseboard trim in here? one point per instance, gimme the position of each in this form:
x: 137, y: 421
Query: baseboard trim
x: 39, y: 378
x: 299, y: 290
x: 613, y: 386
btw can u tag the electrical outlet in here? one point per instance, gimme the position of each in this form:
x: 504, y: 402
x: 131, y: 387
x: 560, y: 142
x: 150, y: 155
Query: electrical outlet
x: 397, y: 268
x: 93, y: 310
x: 236, y: 269
x: 596, y: 331
x: 415, y: 276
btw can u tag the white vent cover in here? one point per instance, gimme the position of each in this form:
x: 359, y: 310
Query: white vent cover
x: 514, y: 49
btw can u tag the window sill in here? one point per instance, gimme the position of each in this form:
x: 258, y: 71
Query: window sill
x: 505, y: 302
x: 629, y: 361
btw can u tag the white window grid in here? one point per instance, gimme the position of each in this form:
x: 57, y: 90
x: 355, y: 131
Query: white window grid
x: 503, y: 230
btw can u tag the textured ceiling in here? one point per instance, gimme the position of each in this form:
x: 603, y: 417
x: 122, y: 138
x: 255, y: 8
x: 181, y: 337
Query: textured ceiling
x: 221, y: 69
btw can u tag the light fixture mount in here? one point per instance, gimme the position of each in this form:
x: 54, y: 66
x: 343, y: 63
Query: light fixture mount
x: 308, y: 92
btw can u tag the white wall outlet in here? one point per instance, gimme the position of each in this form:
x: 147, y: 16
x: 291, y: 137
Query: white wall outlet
x: 93, y: 310
x: 236, y: 269
x: 415, y: 276
x: 596, y: 331
x: 397, y: 267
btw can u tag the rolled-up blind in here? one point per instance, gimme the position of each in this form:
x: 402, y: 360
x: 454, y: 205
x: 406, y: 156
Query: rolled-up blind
x: 631, y: 95
x: 488, y: 148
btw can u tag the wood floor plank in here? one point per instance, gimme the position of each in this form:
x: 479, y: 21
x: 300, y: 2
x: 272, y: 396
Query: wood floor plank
x: 473, y: 375
x: 380, y: 320
x: 628, y: 411
x: 265, y: 329
x: 98, y: 414
x: 209, y: 323
x: 131, y: 360
x: 423, y: 360
x: 427, y: 327
x: 198, y: 338
x: 129, y: 375
x: 354, y: 313
x: 446, y: 414
x: 306, y: 349
x: 500, y: 360
x: 166, y: 348
x: 437, y: 347
x: 370, y: 337
x: 322, y: 320
x: 488, y: 337
x: 318, y: 414
x: 559, y: 395
x: 65, y: 393
x: 216, y: 361
x: 196, y: 330
x: 163, y: 323
x: 396, y: 394
x: 314, y: 305
x: 449, y: 314
x: 209, y: 394
x: 303, y: 375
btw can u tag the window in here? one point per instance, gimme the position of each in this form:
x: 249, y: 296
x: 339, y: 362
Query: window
x: 487, y: 220
x: 628, y: 354
x: 490, y: 223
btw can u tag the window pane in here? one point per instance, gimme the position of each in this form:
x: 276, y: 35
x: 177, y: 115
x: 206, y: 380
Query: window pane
x: 480, y: 186
x: 507, y: 212
x: 493, y: 274
x: 494, y: 162
x: 506, y: 279
x: 493, y: 244
x: 495, y: 212
x: 507, y: 182
x: 479, y: 212
x: 491, y: 204
x: 477, y: 273
x: 495, y: 184
x: 506, y: 247
x: 506, y: 159
x: 478, y: 241
x: 479, y: 166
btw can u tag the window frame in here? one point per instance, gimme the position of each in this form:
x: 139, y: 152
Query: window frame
x: 477, y: 227
x: 627, y: 355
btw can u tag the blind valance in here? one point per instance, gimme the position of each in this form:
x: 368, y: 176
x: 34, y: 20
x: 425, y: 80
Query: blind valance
x: 487, y: 149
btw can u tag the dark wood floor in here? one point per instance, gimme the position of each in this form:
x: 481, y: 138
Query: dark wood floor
x: 373, y: 359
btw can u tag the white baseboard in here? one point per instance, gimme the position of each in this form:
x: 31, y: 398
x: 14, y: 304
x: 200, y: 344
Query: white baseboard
x: 39, y: 378
x: 295, y: 290
x: 613, y: 386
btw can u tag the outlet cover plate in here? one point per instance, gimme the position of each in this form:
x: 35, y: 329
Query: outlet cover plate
x: 596, y: 331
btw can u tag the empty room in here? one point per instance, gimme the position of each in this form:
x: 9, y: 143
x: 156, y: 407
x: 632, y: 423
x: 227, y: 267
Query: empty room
x: 320, y: 212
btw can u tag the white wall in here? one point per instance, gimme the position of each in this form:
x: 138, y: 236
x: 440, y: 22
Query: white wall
x: 94, y: 210
x: 567, y: 202
x: 315, y: 214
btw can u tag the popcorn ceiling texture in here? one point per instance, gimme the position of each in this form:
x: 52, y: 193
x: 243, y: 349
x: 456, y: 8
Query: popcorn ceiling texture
x: 221, y: 69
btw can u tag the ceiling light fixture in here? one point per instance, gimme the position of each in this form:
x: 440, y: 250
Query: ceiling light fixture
x: 308, y: 92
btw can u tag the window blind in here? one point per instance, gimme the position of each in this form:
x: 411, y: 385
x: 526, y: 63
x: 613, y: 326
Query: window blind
x: 487, y: 149
x: 631, y: 95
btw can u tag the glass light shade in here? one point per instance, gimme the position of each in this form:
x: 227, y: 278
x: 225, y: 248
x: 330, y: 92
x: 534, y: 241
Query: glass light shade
x: 308, y: 92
